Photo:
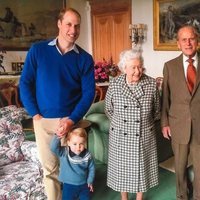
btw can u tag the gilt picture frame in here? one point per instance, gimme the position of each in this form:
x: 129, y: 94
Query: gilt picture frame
x: 168, y: 17
x: 24, y: 22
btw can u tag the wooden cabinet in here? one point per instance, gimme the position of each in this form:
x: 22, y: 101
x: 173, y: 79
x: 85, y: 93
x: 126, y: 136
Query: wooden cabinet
x: 103, y: 87
x: 9, y: 89
x: 110, y: 28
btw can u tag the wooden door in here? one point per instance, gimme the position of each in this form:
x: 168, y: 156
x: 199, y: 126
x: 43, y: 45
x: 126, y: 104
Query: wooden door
x: 110, y: 29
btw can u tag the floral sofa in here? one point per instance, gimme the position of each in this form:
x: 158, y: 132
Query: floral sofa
x: 20, y: 169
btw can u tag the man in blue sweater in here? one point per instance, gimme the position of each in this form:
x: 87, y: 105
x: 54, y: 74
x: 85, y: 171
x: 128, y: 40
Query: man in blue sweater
x: 57, y: 87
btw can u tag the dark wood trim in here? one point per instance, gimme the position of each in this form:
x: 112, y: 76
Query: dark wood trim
x: 109, y: 6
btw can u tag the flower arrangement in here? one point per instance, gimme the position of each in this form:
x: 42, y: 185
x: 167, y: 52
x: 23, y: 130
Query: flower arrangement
x: 104, y: 69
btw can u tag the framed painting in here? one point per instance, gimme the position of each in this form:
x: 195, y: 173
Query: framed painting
x: 169, y: 16
x: 24, y: 22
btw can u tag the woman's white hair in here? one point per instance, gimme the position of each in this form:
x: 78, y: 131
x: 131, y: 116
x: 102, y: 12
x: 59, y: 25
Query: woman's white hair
x: 128, y: 55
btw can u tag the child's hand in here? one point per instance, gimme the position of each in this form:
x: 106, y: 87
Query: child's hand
x: 59, y: 131
x: 91, y: 187
x: 65, y: 124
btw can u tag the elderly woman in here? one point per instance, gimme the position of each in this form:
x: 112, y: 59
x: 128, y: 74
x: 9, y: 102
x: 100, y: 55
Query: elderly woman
x: 132, y: 105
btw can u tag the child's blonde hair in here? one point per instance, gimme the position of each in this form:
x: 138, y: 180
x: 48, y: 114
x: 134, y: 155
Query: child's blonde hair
x: 81, y: 132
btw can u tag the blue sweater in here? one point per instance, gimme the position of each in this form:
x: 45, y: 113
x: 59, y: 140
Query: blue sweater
x: 56, y: 85
x: 74, y: 169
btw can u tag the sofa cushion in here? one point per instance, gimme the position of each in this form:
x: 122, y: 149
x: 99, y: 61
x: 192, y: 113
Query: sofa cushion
x: 16, y: 185
x: 100, y: 120
x: 13, y: 112
x: 30, y: 152
x: 11, y: 138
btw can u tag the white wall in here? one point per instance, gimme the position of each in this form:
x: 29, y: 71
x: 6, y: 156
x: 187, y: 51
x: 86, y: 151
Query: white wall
x: 142, y: 12
x: 13, y: 56
x: 83, y: 7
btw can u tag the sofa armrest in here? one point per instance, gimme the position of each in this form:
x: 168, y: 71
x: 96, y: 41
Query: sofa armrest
x: 29, y: 150
x: 97, y: 107
x: 24, y: 113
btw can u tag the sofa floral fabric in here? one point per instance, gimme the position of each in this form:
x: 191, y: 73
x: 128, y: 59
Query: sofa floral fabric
x: 13, y: 112
x: 20, y: 170
x: 30, y: 152
x: 11, y: 136
x: 21, y: 180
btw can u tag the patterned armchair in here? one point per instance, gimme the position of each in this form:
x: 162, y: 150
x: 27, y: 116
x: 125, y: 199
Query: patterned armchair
x: 20, y: 169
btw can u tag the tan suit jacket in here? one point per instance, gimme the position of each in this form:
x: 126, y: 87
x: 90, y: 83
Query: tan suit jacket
x: 180, y: 109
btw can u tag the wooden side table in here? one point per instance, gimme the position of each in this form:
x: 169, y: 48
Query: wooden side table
x: 104, y: 87
x: 9, y: 79
x: 9, y: 94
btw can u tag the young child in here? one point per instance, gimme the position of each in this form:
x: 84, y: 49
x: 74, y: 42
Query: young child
x: 77, y: 168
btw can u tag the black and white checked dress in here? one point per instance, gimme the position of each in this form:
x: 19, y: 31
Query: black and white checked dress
x: 132, y: 157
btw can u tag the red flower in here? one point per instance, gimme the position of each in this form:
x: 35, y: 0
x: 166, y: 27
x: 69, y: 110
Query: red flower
x: 105, y: 69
